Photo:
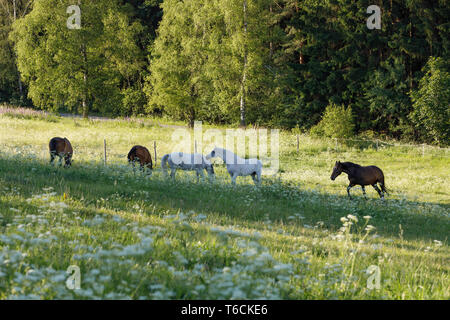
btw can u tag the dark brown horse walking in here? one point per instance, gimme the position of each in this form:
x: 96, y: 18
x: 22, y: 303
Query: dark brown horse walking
x: 141, y: 154
x: 363, y: 176
x: 62, y: 148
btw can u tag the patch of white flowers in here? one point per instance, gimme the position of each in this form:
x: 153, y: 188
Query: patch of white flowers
x: 116, y: 268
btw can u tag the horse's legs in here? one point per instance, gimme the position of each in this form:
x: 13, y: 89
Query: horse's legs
x: 364, y: 191
x: 148, y: 169
x: 66, y: 161
x: 383, y: 188
x: 202, y: 174
x: 254, y: 177
x: 210, y: 176
x: 172, y: 173
x: 52, y: 157
x: 233, y: 178
x: 348, y: 189
x: 198, y: 175
x: 378, y: 190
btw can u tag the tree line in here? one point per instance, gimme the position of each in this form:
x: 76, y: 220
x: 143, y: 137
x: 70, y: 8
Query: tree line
x: 277, y: 63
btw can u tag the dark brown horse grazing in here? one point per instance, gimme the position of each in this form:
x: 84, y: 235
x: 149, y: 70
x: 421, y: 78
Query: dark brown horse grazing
x: 141, y: 154
x: 62, y: 148
x: 363, y: 176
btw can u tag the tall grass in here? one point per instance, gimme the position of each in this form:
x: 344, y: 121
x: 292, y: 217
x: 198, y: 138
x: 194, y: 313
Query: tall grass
x: 296, y: 237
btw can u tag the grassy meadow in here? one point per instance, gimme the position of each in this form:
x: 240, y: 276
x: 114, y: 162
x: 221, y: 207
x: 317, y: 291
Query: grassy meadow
x: 297, y: 236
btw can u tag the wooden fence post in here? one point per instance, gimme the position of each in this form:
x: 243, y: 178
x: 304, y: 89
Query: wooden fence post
x: 104, y: 149
x: 336, y: 142
x: 154, y: 148
x: 298, y: 144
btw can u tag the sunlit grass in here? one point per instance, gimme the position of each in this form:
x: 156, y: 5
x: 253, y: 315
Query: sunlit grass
x: 148, y: 237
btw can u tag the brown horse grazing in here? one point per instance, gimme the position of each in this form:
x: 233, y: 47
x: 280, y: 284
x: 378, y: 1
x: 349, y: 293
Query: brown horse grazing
x: 141, y: 154
x: 62, y: 148
x: 363, y: 176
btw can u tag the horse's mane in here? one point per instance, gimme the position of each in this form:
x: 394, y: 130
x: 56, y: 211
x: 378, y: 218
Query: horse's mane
x: 225, y: 153
x: 190, y: 156
x: 228, y: 155
x: 350, y: 164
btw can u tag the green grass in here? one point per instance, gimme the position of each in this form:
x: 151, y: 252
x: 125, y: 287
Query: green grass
x: 149, y: 237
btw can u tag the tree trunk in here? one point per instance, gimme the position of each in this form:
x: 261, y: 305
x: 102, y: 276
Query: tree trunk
x: 20, y: 86
x: 410, y: 56
x: 191, y: 119
x: 271, y: 33
x: 191, y: 122
x: 301, y: 60
x: 85, y: 102
x: 242, y: 107
x: 18, y: 72
x: 85, y: 109
x: 244, y: 71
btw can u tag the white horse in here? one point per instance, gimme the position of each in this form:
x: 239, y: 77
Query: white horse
x: 187, y: 161
x: 236, y: 166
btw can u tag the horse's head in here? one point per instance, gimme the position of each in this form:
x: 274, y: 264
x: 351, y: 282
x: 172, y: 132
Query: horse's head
x: 337, y: 170
x: 213, y: 154
x: 210, y: 168
x: 68, y: 162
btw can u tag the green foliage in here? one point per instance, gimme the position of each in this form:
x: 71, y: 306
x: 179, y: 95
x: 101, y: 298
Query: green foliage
x: 296, y: 130
x: 134, y: 102
x: 197, y: 61
x: 330, y: 55
x: 8, y: 72
x: 12, y: 90
x: 337, y: 122
x: 175, y: 84
x: 79, y: 70
x: 431, y: 102
x: 287, y: 62
x: 386, y: 93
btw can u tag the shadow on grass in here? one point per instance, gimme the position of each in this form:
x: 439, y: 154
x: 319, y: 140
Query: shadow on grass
x: 284, y: 204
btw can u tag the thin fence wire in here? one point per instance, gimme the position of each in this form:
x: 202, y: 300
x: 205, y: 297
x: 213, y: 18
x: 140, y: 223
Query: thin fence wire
x: 391, y: 153
x: 336, y: 145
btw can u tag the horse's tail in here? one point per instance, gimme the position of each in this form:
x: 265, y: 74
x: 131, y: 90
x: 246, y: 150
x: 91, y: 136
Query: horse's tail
x: 164, y: 161
x: 383, y: 185
x: 52, y: 145
x: 384, y: 189
x: 132, y: 153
